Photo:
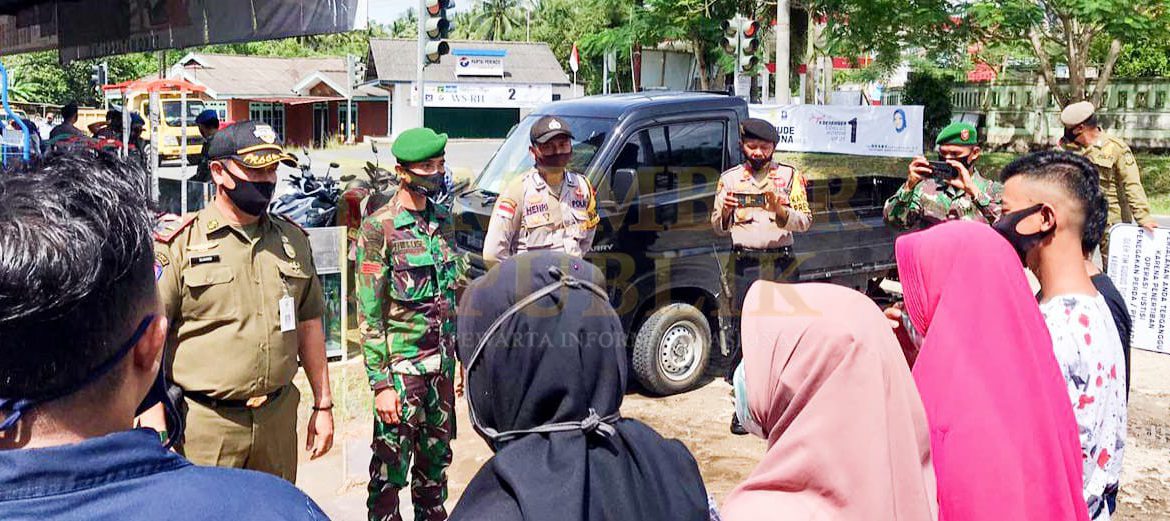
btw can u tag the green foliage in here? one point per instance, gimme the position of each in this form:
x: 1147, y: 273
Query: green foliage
x: 40, y: 78
x: 933, y: 92
x: 497, y: 20
x: 1147, y: 60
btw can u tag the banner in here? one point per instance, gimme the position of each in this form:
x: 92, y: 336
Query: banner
x: 105, y: 27
x: 890, y: 131
x: 1139, y: 265
x: 484, y: 95
x: 476, y: 62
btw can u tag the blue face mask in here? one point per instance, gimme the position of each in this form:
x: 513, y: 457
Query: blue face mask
x: 14, y: 408
x: 746, y: 419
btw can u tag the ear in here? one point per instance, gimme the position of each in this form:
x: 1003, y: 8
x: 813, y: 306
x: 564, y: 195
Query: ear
x: 220, y: 175
x: 975, y: 153
x: 149, y: 348
x: 1047, y: 218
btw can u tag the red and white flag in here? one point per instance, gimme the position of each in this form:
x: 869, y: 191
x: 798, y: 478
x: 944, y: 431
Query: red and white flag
x: 574, y: 59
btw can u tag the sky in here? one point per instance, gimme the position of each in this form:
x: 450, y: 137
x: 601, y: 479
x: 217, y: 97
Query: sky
x: 386, y: 11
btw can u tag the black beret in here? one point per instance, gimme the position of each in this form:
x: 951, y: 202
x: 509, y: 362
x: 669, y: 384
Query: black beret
x: 758, y: 129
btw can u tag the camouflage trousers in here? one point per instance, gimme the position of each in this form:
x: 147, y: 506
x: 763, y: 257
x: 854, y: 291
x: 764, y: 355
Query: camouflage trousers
x: 424, y: 433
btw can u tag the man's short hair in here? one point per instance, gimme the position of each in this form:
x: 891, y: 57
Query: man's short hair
x: 69, y: 111
x: 1092, y: 122
x: 1077, y: 178
x: 76, y: 269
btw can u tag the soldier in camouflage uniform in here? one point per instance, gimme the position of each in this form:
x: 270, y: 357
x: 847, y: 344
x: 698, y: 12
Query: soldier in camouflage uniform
x: 408, y: 274
x: 1121, y: 182
x: 923, y: 202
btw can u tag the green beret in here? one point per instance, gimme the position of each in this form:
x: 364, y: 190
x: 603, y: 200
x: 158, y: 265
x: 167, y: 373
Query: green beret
x: 958, y: 133
x: 418, y: 144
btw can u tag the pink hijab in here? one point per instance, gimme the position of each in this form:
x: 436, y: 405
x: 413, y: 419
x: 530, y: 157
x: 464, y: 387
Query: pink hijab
x: 847, y: 435
x: 1002, y: 430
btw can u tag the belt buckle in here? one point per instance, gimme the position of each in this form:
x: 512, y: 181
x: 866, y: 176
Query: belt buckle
x: 256, y: 402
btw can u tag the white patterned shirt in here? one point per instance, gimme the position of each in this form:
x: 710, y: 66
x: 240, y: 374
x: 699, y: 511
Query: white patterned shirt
x: 1089, y: 352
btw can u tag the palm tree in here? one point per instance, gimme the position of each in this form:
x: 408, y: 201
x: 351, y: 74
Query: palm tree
x: 495, y: 19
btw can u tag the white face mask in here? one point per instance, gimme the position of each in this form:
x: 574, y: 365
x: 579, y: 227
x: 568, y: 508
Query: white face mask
x: 746, y: 419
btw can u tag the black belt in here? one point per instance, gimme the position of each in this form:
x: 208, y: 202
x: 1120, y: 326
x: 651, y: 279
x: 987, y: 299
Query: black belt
x: 254, y: 402
x: 783, y: 250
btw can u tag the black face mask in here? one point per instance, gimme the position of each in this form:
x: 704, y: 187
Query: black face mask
x: 1021, y: 242
x: 432, y: 186
x: 251, y: 197
x: 758, y: 164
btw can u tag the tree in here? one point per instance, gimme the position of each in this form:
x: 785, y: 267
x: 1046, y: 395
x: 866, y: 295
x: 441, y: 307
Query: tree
x: 406, y: 26
x: 496, y: 19
x: 933, y: 92
x: 1063, y: 32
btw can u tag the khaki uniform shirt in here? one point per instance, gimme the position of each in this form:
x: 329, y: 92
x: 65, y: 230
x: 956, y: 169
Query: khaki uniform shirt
x: 221, y: 287
x: 759, y: 228
x: 1121, y: 183
x: 529, y: 216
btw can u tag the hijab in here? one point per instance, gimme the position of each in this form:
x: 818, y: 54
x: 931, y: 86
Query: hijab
x: 847, y: 435
x: 1002, y: 430
x: 545, y: 381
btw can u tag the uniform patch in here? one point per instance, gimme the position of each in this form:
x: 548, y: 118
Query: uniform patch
x: 506, y: 208
x: 371, y: 268
x: 161, y: 260
x: 158, y: 271
x: 533, y: 209
x: 579, y: 203
x: 204, y: 259
x: 407, y: 246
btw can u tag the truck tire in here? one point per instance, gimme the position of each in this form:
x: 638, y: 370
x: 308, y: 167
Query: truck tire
x: 671, y: 349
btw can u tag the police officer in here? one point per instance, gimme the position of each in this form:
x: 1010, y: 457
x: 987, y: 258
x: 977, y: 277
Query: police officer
x: 549, y: 207
x: 760, y: 203
x: 1121, y: 182
x: 925, y: 201
x: 242, y: 295
x: 208, y: 123
x: 408, y: 275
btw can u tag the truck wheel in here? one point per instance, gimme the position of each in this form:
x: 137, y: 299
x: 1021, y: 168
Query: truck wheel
x: 671, y: 349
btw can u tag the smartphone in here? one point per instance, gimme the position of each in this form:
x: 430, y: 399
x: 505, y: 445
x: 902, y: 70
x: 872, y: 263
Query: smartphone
x: 942, y: 171
x: 751, y: 200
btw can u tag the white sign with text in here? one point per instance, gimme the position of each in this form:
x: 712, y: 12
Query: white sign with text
x: 890, y: 131
x: 484, y: 95
x: 1139, y: 265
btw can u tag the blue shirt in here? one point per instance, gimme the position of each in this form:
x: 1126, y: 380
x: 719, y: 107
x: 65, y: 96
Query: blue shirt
x: 129, y: 475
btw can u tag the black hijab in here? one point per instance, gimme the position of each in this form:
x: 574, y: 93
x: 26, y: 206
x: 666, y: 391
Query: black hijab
x: 559, y: 364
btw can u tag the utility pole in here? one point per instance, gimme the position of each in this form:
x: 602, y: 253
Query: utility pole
x: 349, y: 74
x: 422, y: 58
x: 783, y: 51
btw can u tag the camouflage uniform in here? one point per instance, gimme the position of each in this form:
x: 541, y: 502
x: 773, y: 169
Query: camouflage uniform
x: 408, y: 273
x: 929, y: 204
x: 1121, y: 184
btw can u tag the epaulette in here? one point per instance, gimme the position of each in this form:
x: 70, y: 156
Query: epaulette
x: 289, y: 220
x: 168, y: 226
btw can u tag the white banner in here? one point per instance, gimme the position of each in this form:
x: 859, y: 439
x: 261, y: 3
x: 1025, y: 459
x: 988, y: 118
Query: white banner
x: 479, y: 63
x: 484, y: 95
x: 891, y: 131
x: 1139, y: 264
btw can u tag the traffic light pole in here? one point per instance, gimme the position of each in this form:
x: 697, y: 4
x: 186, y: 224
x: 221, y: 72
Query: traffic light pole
x: 738, y: 57
x: 422, y: 60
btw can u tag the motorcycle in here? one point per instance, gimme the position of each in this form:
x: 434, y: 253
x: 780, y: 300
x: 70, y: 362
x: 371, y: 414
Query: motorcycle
x: 312, y: 202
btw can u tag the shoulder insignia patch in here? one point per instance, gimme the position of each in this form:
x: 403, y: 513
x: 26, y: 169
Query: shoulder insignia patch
x: 168, y: 226
x: 287, y: 219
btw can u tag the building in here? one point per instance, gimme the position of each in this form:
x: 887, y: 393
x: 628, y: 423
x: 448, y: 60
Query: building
x: 480, y: 90
x: 304, y: 99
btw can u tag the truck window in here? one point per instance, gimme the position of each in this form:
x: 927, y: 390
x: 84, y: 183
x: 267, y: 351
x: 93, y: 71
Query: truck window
x: 676, y: 156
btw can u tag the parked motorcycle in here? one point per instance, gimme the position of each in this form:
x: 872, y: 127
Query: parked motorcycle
x: 312, y: 202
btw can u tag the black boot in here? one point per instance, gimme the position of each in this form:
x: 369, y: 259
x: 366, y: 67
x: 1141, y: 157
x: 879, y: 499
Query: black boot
x: 736, y: 428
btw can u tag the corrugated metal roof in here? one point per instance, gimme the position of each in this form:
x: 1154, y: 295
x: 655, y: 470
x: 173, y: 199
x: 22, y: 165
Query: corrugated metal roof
x: 396, y: 60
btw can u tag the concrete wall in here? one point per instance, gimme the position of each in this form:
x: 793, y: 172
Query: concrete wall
x: 238, y: 110
x: 371, y: 119
x: 298, y: 124
x: 404, y: 114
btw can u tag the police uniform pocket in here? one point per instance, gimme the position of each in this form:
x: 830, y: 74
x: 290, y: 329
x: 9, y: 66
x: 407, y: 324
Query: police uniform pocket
x: 213, y: 294
x: 295, y: 279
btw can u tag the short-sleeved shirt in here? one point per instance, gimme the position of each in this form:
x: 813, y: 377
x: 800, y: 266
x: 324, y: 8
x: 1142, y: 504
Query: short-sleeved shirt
x: 221, y: 286
x: 531, y: 215
x: 408, y: 273
x: 1121, y: 181
x: 1089, y: 353
x: 757, y: 227
x: 129, y: 475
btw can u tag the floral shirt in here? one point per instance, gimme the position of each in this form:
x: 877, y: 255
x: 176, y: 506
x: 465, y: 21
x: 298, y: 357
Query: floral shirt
x: 1089, y: 353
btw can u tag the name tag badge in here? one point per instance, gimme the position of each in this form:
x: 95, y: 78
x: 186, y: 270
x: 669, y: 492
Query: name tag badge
x: 288, y: 319
x: 204, y: 259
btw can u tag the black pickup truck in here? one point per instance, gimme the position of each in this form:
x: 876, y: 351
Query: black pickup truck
x: 655, y: 160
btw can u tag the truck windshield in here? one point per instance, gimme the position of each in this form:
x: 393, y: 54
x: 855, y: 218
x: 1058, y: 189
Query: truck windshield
x: 513, y: 157
x: 172, y: 110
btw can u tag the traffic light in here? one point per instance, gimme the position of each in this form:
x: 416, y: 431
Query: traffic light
x: 97, y: 75
x: 741, y: 40
x: 357, y: 71
x: 437, y: 28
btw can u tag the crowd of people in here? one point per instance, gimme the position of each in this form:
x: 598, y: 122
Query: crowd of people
x: 123, y: 336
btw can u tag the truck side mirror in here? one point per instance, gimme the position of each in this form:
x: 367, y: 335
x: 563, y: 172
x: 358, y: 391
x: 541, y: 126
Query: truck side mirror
x: 622, y: 183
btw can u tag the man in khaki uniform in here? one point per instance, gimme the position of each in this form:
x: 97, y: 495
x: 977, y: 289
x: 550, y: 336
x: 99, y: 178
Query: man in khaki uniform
x: 547, y: 208
x: 1121, y: 182
x: 760, y: 203
x: 241, y: 292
